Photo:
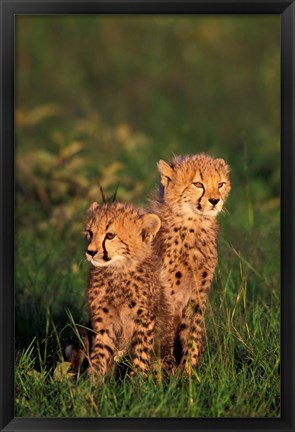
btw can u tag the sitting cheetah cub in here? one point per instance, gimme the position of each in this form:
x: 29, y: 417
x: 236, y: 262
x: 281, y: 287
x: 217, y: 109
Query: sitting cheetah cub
x: 123, y: 285
x: 194, y: 189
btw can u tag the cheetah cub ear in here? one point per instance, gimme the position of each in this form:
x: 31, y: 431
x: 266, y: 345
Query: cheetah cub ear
x: 150, y: 225
x: 166, y: 172
x: 221, y: 164
x: 94, y: 207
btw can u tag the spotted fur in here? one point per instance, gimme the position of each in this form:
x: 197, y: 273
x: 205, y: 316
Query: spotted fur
x: 194, y: 189
x: 124, y: 294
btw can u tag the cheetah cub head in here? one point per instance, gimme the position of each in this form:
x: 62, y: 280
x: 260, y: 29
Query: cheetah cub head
x: 197, y: 184
x: 118, y: 234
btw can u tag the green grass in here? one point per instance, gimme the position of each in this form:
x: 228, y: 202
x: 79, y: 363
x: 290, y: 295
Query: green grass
x: 238, y: 376
x: 127, y: 92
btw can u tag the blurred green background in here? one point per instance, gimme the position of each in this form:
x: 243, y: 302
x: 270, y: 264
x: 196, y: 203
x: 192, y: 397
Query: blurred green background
x: 123, y: 92
x: 101, y: 100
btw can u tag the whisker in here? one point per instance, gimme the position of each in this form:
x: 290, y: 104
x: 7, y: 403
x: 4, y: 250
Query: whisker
x: 82, y: 260
x: 225, y: 211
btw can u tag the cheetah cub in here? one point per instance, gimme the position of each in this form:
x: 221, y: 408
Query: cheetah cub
x: 194, y: 189
x: 123, y: 285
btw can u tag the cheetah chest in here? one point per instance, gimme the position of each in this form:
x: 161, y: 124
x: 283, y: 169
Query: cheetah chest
x: 185, y: 263
x: 126, y: 316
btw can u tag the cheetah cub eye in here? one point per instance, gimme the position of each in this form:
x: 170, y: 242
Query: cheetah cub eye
x: 88, y: 235
x: 110, y: 235
x: 198, y: 185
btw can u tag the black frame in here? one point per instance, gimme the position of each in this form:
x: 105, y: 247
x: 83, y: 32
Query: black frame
x: 8, y: 10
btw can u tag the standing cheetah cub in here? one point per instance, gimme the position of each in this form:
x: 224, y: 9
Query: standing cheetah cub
x: 123, y: 284
x: 194, y: 189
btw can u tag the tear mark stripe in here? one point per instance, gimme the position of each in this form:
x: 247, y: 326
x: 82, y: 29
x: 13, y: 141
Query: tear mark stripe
x: 199, y: 200
x: 105, y: 252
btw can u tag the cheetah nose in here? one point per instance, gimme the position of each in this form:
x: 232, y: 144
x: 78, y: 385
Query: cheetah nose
x: 91, y: 253
x: 213, y: 201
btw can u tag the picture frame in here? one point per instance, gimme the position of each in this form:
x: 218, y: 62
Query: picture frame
x: 9, y: 10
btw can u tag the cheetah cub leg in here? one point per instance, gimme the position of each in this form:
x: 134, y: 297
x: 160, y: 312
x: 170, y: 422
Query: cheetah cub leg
x: 192, y: 336
x: 168, y: 361
x: 143, y: 342
x: 104, y: 343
